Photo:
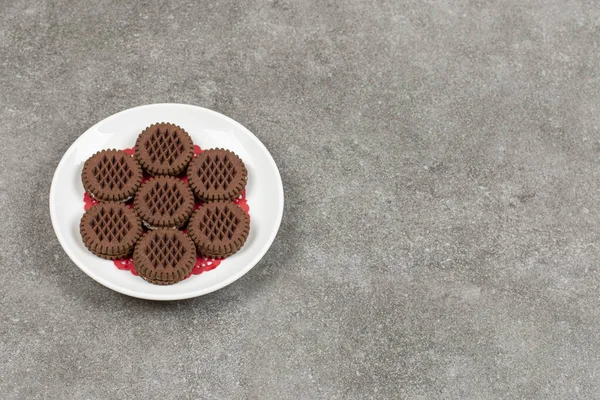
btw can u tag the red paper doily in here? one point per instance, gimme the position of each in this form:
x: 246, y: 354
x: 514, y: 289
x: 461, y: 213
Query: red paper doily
x: 202, y: 264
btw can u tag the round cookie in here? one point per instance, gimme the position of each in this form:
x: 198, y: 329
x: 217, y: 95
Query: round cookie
x: 217, y: 174
x: 219, y: 229
x: 164, y: 202
x: 111, y: 175
x: 164, y: 256
x: 164, y: 149
x: 110, y: 230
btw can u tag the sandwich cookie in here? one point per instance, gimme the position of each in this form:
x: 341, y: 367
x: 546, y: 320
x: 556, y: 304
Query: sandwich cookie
x: 219, y: 229
x: 164, y: 202
x: 164, y: 256
x: 164, y: 149
x: 110, y: 230
x: 111, y: 175
x: 217, y: 174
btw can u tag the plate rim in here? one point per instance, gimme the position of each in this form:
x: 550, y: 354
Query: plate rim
x: 169, y: 297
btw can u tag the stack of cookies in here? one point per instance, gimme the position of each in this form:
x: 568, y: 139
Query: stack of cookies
x: 164, y: 204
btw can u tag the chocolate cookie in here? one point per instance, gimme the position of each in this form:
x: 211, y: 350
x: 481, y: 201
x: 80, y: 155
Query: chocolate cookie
x: 164, y: 202
x: 111, y: 175
x: 164, y: 149
x: 219, y: 229
x: 217, y: 174
x: 110, y: 230
x: 164, y: 256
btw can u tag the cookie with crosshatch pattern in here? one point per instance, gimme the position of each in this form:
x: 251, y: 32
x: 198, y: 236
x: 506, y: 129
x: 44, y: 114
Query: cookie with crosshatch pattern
x: 111, y: 175
x: 164, y: 202
x: 164, y: 256
x: 217, y: 174
x: 110, y: 230
x: 164, y: 149
x: 219, y: 229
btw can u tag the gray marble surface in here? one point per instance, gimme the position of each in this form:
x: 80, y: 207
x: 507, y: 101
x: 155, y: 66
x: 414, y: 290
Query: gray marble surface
x: 440, y: 163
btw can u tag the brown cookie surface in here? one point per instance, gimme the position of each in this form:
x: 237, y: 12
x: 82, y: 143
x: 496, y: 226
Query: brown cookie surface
x: 114, y: 256
x: 164, y: 201
x: 219, y: 229
x: 111, y: 175
x: 164, y: 256
x: 110, y: 230
x: 217, y: 174
x: 164, y: 149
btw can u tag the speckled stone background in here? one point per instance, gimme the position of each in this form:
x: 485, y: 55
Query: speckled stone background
x: 441, y: 167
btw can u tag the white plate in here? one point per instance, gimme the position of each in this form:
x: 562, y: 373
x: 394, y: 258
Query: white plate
x: 208, y: 129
